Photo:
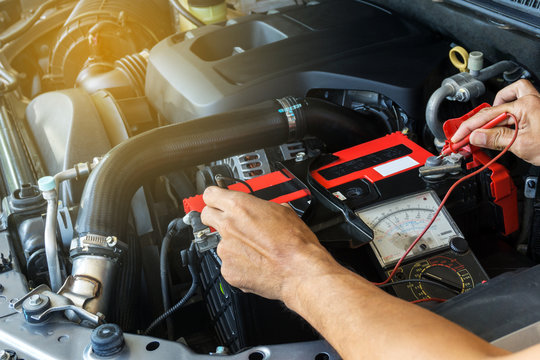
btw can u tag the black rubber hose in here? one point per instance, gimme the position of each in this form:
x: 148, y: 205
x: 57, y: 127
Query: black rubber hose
x: 109, y: 188
x: 338, y: 126
x: 175, y: 228
x: 106, y: 196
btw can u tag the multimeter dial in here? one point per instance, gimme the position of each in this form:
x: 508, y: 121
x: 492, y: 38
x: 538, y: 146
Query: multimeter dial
x: 397, y: 223
x: 452, y: 276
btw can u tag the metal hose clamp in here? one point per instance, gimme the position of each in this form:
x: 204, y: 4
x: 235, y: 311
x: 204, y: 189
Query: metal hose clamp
x: 92, y: 244
x: 289, y: 107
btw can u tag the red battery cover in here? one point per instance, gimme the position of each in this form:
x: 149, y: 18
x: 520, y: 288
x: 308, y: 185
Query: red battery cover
x: 414, y: 157
x: 196, y: 203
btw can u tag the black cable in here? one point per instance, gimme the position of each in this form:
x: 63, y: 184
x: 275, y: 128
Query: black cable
x: 185, y: 13
x: 425, y: 281
x: 175, y: 227
x: 219, y: 178
x: 189, y: 294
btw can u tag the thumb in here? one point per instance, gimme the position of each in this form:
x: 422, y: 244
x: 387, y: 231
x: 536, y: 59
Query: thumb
x: 497, y: 138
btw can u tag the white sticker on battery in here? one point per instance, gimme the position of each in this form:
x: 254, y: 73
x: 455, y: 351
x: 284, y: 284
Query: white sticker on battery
x: 396, y: 166
x: 339, y: 195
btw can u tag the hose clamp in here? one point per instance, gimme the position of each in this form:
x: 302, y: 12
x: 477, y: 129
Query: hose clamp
x: 289, y: 107
x: 92, y: 244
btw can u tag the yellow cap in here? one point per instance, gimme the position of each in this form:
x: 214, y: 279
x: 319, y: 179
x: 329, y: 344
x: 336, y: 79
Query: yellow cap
x: 459, y: 58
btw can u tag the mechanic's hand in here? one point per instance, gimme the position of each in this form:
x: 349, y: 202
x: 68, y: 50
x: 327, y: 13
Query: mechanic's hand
x: 265, y: 247
x: 523, y: 101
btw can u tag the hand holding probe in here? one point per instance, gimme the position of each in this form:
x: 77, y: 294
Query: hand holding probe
x: 451, y: 147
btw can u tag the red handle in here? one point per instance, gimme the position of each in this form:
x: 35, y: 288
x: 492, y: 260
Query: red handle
x: 454, y: 147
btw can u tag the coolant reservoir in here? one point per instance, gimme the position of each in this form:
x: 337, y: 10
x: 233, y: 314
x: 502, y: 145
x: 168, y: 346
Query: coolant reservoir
x: 209, y: 11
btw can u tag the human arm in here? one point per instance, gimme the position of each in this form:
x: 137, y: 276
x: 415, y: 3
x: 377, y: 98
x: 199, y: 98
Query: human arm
x: 523, y: 101
x: 266, y: 249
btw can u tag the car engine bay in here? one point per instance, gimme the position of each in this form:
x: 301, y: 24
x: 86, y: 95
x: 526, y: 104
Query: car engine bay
x: 115, y: 117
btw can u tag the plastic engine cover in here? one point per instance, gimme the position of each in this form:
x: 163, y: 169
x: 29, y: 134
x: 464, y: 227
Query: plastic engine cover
x: 333, y: 45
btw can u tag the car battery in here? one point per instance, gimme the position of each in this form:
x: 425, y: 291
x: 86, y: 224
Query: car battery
x: 356, y: 176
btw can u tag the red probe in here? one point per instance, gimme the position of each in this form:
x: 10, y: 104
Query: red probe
x: 451, y: 147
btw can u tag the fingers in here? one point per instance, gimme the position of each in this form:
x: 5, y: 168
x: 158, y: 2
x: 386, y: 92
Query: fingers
x: 224, y: 199
x: 212, y: 217
x: 504, y: 102
x: 515, y: 91
x: 480, y: 119
x: 497, y: 138
x: 215, y: 197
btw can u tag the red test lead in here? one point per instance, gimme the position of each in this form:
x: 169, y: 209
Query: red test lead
x: 451, y: 126
x: 451, y: 147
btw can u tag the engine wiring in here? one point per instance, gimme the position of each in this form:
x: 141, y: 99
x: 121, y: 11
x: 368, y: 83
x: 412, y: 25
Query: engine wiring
x: 448, y: 193
x: 174, y: 230
x: 192, y: 290
x: 220, y: 181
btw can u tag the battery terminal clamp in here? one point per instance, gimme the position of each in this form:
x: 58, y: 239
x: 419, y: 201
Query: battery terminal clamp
x: 437, y: 167
x: 204, y: 237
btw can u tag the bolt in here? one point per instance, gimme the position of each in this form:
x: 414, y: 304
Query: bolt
x: 531, y: 184
x: 107, y: 340
x: 111, y: 241
x: 35, y: 305
x: 433, y: 161
x: 462, y: 95
x: 300, y: 156
x: 101, y: 316
x: 35, y: 300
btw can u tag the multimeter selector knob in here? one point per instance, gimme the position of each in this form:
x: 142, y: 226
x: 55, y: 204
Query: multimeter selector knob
x: 459, y: 245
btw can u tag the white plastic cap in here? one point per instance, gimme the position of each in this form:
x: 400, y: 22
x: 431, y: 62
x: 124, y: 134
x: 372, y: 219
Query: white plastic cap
x: 46, y: 183
x: 476, y: 61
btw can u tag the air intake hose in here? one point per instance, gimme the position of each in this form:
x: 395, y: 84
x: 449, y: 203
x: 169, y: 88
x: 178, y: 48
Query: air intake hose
x: 108, y: 191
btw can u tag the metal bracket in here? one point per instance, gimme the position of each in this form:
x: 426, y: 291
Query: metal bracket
x: 59, y: 303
